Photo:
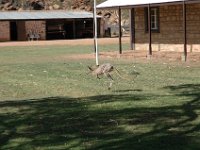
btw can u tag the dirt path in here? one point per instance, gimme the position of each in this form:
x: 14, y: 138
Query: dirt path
x: 66, y: 42
x: 193, y: 58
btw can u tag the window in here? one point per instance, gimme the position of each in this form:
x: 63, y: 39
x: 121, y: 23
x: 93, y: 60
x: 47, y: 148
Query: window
x: 154, y: 19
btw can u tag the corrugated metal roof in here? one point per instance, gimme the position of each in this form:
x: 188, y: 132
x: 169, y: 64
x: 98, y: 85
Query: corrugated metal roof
x: 35, y: 15
x: 127, y: 3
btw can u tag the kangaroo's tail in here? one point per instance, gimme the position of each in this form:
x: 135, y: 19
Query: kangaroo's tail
x: 119, y: 74
x: 125, y: 77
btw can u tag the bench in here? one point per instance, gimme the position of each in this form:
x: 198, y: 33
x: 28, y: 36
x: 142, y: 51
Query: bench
x: 33, y: 36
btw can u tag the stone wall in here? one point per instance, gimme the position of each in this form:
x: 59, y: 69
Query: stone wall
x: 170, y: 37
x: 4, y: 31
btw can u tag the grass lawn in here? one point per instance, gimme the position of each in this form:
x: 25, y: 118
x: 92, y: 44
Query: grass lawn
x: 49, y: 102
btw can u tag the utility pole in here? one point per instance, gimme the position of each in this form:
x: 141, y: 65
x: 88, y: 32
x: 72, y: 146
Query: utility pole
x: 95, y: 34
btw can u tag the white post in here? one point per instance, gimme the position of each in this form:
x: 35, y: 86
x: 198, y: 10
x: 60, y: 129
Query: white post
x: 95, y: 34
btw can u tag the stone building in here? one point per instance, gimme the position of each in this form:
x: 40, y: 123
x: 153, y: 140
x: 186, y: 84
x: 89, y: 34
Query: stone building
x: 46, y: 25
x: 175, y: 24
x: 168, y: 28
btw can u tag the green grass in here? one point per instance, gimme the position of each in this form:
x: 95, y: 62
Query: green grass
x: 47, y: 102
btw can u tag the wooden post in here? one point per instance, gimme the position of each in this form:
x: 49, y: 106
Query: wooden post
x: 120, y: 31
x: 149, y: 28
x: 184, y: 32
x: 132, y: 28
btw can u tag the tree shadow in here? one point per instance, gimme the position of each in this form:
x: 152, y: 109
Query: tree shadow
x: 128, y: 90
x: 95, y: 123
x: 191, y: 92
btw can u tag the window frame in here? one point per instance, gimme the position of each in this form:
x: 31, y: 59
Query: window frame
x: 156, y: 17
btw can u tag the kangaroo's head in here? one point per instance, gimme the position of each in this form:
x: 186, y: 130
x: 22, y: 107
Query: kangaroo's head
x: 90, y: 68
x: 93, y: 68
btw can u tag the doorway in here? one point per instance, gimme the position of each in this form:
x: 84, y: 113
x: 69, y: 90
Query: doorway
x: 69, y: 28
x: 13, y: 31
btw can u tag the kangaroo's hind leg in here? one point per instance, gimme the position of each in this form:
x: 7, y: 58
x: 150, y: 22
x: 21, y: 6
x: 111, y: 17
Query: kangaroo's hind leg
x: 98, y: 76
x: 111, y: 80
x: 110, y: 85
x: 109, y: 76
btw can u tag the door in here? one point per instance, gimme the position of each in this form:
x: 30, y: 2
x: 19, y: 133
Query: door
x: 69, y: 28
x: 13, y: 31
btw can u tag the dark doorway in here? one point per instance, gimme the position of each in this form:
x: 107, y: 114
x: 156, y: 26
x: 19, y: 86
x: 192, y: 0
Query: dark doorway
x: 84, y: 28
x: 55, y: 29
x: 13, y: 31
x: 69, y: 28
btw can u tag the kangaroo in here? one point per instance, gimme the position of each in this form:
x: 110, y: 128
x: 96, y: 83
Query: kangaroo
x: 105, y: 69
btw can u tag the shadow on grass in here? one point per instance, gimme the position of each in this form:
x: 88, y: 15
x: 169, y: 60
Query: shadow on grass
x: 97, y: 123
x: 128, y: 90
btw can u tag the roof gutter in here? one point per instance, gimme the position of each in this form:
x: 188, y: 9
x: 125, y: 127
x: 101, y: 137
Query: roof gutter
x: 152, y: 4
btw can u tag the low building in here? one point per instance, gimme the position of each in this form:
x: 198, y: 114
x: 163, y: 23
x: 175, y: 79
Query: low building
x: 46, y: 25
x: 175, y: 24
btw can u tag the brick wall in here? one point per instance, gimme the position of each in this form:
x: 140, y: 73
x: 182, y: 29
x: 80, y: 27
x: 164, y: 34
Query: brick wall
x: 170, y: 37
x: 4, y: 31
x: 21, y: 32
x: 38, y: 27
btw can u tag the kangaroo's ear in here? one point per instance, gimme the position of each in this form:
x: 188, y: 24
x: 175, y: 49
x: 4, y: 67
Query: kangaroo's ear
x: 90, y: 68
